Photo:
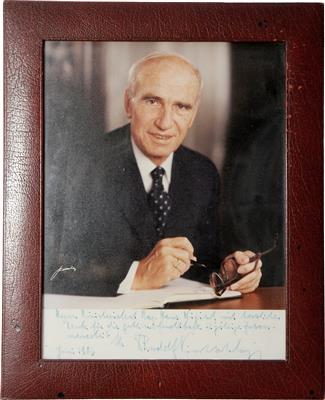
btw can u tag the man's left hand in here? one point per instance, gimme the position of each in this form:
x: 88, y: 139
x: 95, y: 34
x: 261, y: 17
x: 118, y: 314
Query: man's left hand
x: 250, y: 281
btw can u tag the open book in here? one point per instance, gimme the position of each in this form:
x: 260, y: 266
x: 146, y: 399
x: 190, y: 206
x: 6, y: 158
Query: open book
x: 179, y: 290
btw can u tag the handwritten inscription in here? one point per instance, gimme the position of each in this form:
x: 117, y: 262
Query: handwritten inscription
x: 62, y: 269
x: 165, y: 334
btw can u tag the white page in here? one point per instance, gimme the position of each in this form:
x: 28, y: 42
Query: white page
x: 176, y: 291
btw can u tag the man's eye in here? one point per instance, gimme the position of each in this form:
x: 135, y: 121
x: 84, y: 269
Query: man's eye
x: 151, y: 101
x: 183, y: 107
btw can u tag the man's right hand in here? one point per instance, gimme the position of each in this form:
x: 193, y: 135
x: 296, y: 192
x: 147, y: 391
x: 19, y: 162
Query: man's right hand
x: 168, y: 260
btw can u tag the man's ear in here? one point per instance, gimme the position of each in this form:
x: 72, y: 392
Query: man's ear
x: 127, y: 103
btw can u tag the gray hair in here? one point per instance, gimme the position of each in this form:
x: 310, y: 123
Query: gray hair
x: 136, y: 67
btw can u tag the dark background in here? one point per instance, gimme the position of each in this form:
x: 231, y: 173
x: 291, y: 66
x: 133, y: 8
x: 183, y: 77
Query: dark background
x: 253, y: 209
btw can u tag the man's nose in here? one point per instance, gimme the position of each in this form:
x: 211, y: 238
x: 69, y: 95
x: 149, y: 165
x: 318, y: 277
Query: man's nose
x: 165, y: 119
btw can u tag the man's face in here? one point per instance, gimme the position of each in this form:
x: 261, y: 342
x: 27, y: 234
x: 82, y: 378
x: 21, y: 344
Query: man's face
x: 162, y: 107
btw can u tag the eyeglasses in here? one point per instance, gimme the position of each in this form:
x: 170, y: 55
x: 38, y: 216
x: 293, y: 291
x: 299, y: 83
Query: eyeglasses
x: 228, y: 271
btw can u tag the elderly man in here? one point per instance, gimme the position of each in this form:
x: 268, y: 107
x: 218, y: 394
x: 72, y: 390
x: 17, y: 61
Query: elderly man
x: 152, y: 205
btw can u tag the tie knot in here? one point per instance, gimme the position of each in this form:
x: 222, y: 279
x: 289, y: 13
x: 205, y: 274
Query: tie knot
x: 157, y: 173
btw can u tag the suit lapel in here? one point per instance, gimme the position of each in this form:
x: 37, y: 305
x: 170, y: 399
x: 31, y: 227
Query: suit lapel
x: 131, y: 195
x: 182, y: 212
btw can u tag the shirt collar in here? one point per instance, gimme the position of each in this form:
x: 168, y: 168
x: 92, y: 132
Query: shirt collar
x: 145, y: 165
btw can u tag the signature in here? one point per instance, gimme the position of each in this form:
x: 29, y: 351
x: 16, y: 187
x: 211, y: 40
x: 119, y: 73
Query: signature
x: 62, y: 269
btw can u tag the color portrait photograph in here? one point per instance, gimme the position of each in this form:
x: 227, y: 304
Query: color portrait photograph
x: 164, y: 176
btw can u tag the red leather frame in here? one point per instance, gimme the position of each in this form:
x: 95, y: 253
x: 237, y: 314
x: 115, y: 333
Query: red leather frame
x: 27, y: 26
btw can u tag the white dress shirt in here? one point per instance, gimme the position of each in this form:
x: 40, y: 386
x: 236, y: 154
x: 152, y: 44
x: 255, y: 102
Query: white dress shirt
x: 145, y: 166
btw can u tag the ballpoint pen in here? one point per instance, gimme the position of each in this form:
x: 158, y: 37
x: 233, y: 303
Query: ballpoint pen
x: 196, y: 264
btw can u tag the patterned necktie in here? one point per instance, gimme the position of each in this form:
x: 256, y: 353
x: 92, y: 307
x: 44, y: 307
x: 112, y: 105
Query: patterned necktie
x: 159, y: 201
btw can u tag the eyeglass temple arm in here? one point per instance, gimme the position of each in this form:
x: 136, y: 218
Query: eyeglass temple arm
x: 263, y: 253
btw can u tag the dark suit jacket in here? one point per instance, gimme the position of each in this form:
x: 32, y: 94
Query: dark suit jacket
x: 113, y: 225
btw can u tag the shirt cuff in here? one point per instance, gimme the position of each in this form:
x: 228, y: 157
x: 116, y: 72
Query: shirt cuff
x: 126, y: 284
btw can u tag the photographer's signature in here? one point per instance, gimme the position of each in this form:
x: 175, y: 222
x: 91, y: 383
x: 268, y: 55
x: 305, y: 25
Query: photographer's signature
x: 62, y: 269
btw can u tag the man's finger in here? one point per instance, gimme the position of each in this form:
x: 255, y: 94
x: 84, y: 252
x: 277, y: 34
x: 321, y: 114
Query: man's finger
x: 241, y: 257
x: 250, y: 288
x: 247, y: 288
x: 180, y: 260
x: 246, y: 268
x: 249, y: 253
x: 175, y: 254
x: 248, y: 282
x: 173, y: 267
x: 178, y: 242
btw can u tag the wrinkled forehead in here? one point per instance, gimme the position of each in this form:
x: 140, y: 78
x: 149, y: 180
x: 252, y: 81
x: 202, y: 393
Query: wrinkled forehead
x: 167, y: 71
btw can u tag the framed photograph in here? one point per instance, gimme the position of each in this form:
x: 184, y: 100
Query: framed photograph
x: 223, y: 103
x: 98, y: 219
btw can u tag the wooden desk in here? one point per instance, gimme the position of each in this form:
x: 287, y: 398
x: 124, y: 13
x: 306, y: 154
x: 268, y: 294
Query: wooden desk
x: 268, y: 298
